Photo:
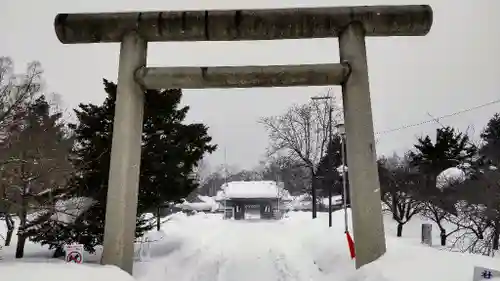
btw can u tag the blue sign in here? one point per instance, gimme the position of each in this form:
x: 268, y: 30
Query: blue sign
x: 482, y: 273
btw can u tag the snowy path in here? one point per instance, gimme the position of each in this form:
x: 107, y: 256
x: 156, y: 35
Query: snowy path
x: 217, y: 250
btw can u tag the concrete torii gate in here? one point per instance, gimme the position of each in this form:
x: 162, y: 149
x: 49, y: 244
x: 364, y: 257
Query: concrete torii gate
x: 135, y: 29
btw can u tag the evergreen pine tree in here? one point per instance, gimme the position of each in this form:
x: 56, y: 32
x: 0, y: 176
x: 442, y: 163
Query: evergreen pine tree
x: 450, y: 149
x: 327, y: 174
x: 491, y: 137
x: 489, y: 180
x: 170, y: 152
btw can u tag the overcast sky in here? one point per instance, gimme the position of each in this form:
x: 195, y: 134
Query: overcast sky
x: 454, y: 67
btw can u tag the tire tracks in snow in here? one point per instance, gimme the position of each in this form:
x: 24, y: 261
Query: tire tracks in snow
x: 204, y: 261
x: 243, y: 252
x: 282, y: 268
x: 288, y: 268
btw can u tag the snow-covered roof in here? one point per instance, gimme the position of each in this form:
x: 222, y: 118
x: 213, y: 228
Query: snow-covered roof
x: 207, y: 199
x: 252, y: 189
x: 66, y: 211
x: 205, y: 203
x: 197, y: 206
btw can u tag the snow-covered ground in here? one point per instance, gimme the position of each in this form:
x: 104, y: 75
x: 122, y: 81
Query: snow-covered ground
x: 204, y: 247
x: 42, y: 271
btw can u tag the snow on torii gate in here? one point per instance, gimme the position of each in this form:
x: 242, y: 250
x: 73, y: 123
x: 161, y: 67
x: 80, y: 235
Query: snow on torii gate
x: 135, y: 29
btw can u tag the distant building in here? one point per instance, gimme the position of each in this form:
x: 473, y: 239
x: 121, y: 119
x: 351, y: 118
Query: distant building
x: 253, y: 199
x: 303, y: 202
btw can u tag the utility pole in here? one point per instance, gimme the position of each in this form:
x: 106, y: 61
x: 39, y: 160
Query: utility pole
x: 341, y: 130
x: 330, y: 168
x: 330, y: 111
x: 225, y: 183
x: 313, y: 182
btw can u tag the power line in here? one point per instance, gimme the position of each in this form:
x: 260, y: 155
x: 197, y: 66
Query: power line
x: 438, y: 118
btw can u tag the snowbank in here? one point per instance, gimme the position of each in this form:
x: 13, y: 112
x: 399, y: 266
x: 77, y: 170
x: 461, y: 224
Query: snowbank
x: 301, y: 202
x: 17, y: 271
x: 154, y: 235
x: 404, y: 261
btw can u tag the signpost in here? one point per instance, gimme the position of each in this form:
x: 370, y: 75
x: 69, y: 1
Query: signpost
x: 482, y: 273
x: 74, y: 253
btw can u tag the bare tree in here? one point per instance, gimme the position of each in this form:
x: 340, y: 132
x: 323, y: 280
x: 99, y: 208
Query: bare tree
x: 292, y: 173
x: 213, y: 181
x: 202, y: 171
x: 481, y: 205
x: 211, y: 184
x: 301, y: 134
x: 15, y: 91
x: 245, y: 175
x: 443, y: 203
x: 399, y: 184
x: 473, y: 227
x: 38, y: 150
x: 439, y: 216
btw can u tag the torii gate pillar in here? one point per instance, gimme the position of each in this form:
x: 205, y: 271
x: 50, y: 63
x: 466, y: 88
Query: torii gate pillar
x: 121, y: 206
x: 134, y: 30
x: 368, y: 228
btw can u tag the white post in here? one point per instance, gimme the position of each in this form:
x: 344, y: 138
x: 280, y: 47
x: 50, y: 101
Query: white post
x: 427, y: 234
x: 123, y: 184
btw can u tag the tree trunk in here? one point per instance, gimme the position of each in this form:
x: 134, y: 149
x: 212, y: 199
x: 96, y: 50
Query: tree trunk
x: 8, y: 237
x: 21, y: 237
x: 59, y: 252
x: 10, y: 228
x: 443, y: 237
x: 158, y: 221
x: 394, y: 207
x: 400, y: 230
x: 313, y: 195
x: 496, y: 235
x: 21, y: 241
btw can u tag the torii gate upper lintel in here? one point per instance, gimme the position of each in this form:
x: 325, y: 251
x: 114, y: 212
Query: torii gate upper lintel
x: 234, y: 25
x: 135, y: 29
